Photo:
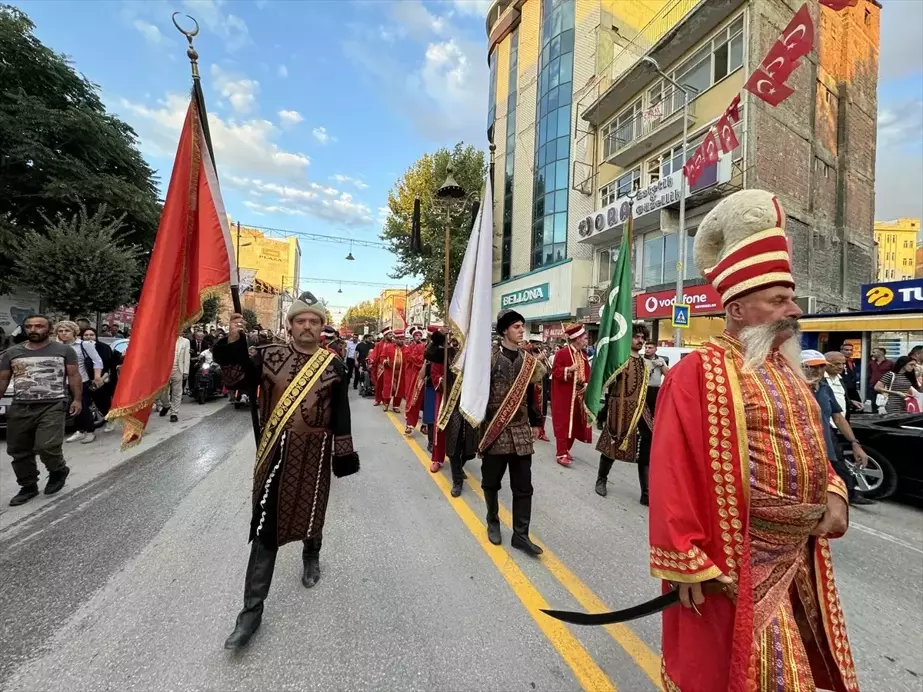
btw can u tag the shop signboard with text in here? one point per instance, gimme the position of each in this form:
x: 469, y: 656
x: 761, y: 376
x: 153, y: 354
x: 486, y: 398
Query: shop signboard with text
x: 702, y: 300
x: 893, y: 295
x: 525, y: 296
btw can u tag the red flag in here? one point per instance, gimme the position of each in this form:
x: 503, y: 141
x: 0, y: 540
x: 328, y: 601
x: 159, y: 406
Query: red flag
x: 779, y: 62
x: 837, y: 5
x: 733, y: 111
x: 709, y: 147
x: 191, y: 260
x: 767, y: 88
x: 798, y: 36
x: 726, y: 135
x: 694, y: 166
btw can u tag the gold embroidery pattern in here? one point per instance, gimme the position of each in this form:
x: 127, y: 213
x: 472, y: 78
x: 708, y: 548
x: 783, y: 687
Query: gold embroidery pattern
x: 720, y: 457
x: 691, y: 561
x: 834, y: 621
x: 292, y: 397
x: 511, y: 402
x: 668, y: 684
x: 448, y: 405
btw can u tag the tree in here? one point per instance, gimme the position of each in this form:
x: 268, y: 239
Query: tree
x: 250, y: 319
x: 210, y: 308
x: 421, y: 181
x: 78, y: 264
x: 59, y: 148
x: 361, y: 315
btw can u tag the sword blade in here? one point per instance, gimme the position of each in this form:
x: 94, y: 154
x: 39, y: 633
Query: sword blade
x: 655, y: 605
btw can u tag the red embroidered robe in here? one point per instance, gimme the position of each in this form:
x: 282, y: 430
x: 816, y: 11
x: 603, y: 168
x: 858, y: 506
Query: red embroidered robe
x: 739, y: 477
x: 568, y: 416
x: 413, y: 381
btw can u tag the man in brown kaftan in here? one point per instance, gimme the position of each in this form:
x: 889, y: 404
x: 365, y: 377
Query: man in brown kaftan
x: 305, y: 433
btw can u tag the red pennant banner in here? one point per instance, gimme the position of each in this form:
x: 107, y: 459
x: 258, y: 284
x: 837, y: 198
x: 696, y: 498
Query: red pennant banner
x: 797, y: 40
x: 710, y: 148
x: 733, y: 111
x: 838, y: 5
x: 798, y: 36
x: 726, y: 135
x: 768, y: 89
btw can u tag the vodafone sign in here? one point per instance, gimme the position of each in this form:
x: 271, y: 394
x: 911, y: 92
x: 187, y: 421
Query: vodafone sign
x: 702, y: 300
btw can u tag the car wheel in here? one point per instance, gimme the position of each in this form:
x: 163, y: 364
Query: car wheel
x: 879, y: 475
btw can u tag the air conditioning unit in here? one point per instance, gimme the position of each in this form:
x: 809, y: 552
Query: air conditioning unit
x: 808, y: 304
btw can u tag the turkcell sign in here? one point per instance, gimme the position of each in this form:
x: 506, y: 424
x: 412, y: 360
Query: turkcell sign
x: 525, y: 296
x: 893, y: 295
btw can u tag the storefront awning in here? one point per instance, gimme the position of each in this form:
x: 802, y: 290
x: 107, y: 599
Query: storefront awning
x: 862, y: 322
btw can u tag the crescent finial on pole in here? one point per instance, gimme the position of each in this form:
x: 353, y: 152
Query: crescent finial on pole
x: 191, y: 51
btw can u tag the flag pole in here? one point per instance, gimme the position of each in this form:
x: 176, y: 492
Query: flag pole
x: 623, y: 385
x: 193, y: 56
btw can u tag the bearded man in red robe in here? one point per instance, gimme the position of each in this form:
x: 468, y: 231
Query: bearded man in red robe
x: 385, y: 353
x: 742, y: 497
x: 413, y: 379
x: 570, y: 373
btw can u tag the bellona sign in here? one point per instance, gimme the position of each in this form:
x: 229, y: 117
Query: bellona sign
x: 525, y: 296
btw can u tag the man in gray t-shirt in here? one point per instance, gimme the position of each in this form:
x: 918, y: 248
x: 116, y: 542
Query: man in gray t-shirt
x: 39, y: 368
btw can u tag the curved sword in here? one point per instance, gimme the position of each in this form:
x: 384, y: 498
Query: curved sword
x: 655, y: 605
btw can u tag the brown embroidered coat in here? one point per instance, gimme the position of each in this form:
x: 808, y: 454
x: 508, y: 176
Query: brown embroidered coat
x: 622, y: 406
x: 290, y: 490
x: 516, y: 437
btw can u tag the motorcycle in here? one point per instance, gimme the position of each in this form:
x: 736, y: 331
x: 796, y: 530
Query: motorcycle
x: 206, y: 378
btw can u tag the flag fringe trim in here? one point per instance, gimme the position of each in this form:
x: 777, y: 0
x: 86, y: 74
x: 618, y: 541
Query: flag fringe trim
x: 591, y: 417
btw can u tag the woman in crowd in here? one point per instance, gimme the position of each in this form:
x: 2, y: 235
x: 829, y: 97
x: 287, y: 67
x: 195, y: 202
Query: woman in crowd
x: 102, y: 396
x: 90, y: 366
x: 896, y: 385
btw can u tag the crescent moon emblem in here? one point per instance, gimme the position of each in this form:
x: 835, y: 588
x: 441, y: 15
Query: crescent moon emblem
x: 188, y: 34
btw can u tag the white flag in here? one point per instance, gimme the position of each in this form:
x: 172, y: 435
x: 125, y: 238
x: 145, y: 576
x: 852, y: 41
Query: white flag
x: 469, y: 313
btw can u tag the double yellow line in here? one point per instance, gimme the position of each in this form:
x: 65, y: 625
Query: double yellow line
x: 585, y: 669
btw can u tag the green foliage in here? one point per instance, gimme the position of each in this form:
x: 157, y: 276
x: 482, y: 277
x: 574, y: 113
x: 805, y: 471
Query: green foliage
x: 250, y: 319
x: 59, y: 148
x: 77, y: 264
x: 422, y: 180
x: 210, y: 310
x: 365, y: 313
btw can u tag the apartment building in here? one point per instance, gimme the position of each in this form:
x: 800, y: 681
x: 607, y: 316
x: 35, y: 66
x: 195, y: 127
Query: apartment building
x: 584, y: 122
x: 897, y: 248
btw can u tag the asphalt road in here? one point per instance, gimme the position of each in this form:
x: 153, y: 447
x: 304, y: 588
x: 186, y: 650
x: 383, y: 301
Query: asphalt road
x: 132, y: 581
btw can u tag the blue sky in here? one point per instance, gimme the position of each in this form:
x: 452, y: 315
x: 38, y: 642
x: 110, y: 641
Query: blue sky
x: 318, y: 106
x: 315, y: 107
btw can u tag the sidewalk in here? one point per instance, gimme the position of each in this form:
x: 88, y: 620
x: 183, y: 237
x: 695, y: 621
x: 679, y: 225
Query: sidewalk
x: 91, y: 460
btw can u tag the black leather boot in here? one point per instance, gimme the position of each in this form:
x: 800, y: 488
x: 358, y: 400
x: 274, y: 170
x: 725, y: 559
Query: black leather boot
x: 522, y: 517
x: 642, y: 481
x: 256, y: 588
x: 493, y: 516
x: 605, y: 465
x: 458, y: 476
x: 311, y: 556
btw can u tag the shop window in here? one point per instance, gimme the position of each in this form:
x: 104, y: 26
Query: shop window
x: 652, y: 260
x: 603, y: 268
x: 670, y: 256
x: 628, y: 182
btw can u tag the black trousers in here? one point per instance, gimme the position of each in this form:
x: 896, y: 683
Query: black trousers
x: 839, y: 465
x: 494, y: 466
x: 352, y: 372
x: 85, y: 417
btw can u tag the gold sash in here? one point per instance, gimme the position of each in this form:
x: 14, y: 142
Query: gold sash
x: 448, y: 405
x: 511, y: 402
x: 291, y: 399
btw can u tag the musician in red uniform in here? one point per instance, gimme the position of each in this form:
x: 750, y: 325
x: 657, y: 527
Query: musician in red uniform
x: 384, y: 358
x: 413, y: 379
x: 569, y: 376
x: 398, y: 372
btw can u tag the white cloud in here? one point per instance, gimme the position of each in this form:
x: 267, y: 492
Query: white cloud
x: 150, y: 32
x: 413, y: 17
x: 283, y: 71
x: 476, y: 8
x: 248, y: 147
x: 899, y: 161
x: 239, y: 91
x: 349, y: 180
x: 310, y: 199
x: 288, y: 119
x: 231, y: 28
x: 322, y: 136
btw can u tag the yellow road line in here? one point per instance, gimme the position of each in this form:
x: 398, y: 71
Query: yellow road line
x: 643, y: 656
x: 585, y: 669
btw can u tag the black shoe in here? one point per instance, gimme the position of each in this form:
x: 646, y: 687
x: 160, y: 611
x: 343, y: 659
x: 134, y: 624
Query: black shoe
x: 311, y: 556
x: 601, y: 487
x: 456, y: 488
x: 56, y: 480
x: 644, y: 500
x: 525, y: 544
x: 493, y: 517
x: 26, y: 493
x: 605, y: 465
x: 256, y: 588
x: 859, y: 500
x: 164, y: 411
x: 174, y: 418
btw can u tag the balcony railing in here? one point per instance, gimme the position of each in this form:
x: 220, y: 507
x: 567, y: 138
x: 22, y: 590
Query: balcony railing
x: 657, y: 116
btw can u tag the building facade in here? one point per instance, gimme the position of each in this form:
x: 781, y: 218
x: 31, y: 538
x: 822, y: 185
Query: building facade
x: 392, y: 309
x: 421, y: 307
x: 582, y: 121
x: 897, y: 248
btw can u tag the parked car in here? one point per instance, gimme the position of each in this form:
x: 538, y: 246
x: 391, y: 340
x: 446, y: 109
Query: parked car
x: 894, y: 444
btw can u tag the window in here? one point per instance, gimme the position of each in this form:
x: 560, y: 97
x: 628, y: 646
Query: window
x: 607, y: 194
x: 553, y: 130
x: 653, y: 170
x: 627, y: 183
x: 506, y: 246
x: 652, y: 260
x: 492, y: 93
x: 670, y: 160
x: 603, y: 269
x: 622, y: 130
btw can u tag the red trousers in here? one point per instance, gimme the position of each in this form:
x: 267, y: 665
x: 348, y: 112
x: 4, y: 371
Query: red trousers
x: 563, y: 445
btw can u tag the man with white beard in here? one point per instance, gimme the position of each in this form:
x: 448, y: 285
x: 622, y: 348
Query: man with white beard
x: 743, y: 499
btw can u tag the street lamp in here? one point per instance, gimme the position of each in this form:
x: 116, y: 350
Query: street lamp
x: 681, y: 250
x: 350, y: 255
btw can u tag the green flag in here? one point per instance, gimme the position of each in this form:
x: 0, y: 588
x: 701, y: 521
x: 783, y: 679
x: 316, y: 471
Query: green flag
x: 613, y: 347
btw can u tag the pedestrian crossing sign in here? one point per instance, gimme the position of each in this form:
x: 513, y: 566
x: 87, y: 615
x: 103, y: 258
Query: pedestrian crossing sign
x: 681, y: 316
